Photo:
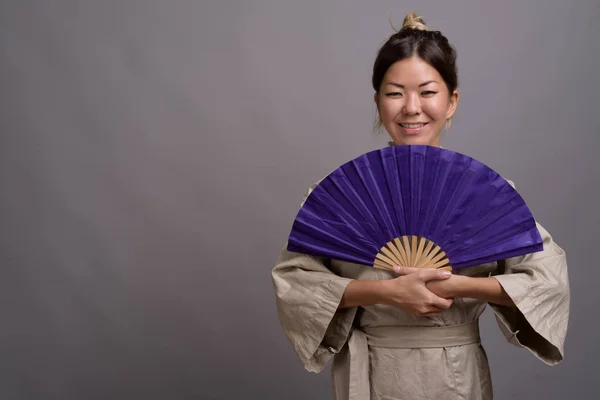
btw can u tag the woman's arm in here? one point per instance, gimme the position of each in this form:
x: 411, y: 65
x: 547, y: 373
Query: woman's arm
x: 408, y: 292
x: 363, y: 293
x: 485, y: 289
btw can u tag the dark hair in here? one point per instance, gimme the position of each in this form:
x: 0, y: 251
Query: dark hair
x: 415, y: 39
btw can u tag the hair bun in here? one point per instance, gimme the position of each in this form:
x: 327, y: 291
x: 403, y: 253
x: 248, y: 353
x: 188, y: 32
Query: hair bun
x: 413, y: 21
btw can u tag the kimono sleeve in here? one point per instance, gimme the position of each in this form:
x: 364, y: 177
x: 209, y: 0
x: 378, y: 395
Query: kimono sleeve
x: 308, y: 295
x: 538, y: 284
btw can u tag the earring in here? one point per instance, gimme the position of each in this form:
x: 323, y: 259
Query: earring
x: 448, y: 123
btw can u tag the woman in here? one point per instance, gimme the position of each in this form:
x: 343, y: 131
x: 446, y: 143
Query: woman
x: 414, y: 334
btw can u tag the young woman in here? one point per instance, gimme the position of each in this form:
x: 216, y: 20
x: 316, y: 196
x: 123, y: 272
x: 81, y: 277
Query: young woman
x: 414, y: 334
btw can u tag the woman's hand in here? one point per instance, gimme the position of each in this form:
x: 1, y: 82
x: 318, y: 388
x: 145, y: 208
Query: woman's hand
x: 485, y: 288
x: 409, y: 291
x: 445, y: 288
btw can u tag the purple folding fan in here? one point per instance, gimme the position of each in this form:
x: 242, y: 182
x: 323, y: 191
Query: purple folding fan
x: 418, y: 206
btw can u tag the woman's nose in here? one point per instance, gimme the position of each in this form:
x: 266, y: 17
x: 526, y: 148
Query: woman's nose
x: 412, y: 105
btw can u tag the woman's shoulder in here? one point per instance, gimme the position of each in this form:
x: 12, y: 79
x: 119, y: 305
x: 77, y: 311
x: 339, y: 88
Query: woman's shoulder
x: 309, y: 190
x: 511, y: 183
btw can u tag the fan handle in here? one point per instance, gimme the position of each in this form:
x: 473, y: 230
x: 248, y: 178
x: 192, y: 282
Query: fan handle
x: 411, y: 251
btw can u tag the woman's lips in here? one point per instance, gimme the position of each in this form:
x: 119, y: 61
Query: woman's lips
x: 412, y: 129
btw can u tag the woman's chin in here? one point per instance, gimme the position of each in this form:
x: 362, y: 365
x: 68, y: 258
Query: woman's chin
x: 416, y: 140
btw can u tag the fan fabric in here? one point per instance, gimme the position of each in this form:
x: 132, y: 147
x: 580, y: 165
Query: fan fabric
x: 473, y: 214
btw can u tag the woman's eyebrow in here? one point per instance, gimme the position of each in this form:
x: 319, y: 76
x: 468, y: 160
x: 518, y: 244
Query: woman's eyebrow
x: 403, y: 87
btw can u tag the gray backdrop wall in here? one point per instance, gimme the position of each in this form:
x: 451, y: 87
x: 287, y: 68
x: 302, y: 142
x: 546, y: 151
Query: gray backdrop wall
x: 153, y: 155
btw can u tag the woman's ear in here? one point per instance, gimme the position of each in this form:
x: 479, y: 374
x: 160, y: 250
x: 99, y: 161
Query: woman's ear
x: 452, y: 104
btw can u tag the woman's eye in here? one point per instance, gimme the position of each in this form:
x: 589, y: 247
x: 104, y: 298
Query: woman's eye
x: 394, y: 94
x: 428, y: 93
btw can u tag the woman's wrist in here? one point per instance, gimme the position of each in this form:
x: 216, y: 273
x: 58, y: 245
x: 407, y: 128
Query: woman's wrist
x: 481, y: 288
x: 365, y: 293
x: 459, y: 286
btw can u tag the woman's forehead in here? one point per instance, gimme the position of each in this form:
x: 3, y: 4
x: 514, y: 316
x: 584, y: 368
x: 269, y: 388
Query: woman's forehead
x: 412, y: 69
x: 411, y: 72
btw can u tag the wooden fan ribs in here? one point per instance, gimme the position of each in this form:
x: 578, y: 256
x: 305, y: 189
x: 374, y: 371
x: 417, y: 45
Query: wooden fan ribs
x: 411, y: 251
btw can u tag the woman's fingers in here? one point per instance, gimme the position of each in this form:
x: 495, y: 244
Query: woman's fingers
x: 430, y: 274
x: 402, y: 270
x: 441, y: 303
x: 425, y: 274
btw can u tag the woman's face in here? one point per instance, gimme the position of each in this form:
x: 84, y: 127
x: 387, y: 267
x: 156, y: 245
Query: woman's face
x: 414, y: 103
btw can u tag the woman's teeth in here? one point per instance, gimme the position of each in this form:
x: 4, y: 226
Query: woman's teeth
x: 411, y: 126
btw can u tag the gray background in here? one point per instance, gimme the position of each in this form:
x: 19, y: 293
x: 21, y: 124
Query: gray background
x: 153, y: 155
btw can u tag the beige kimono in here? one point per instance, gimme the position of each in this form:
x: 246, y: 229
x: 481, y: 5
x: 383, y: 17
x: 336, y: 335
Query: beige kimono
x: 381, y: 352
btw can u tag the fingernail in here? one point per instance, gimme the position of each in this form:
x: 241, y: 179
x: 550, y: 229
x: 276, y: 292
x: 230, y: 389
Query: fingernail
x: 446, y: 273
x: 396, y: 269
